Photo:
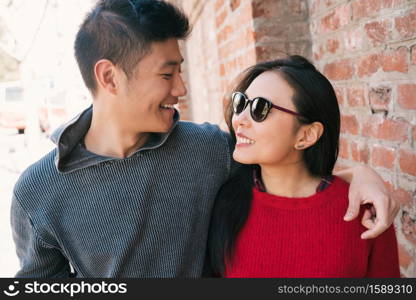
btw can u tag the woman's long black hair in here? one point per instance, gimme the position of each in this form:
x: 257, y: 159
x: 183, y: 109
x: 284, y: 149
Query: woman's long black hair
x: 315, y: 100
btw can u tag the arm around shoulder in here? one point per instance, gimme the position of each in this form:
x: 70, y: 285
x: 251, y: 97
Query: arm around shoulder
x: 367, y: 187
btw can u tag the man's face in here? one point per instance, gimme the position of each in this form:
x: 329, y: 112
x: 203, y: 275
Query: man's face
x: 147, y: 98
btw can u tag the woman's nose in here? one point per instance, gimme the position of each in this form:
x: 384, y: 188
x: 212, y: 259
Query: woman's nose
x: 243, y: 118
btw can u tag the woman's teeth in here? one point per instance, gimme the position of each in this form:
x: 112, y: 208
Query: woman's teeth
x: 241, y: 140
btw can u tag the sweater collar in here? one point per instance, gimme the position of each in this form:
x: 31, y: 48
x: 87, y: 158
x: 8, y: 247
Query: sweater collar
x: 295, y: 203
x: 68, y: 135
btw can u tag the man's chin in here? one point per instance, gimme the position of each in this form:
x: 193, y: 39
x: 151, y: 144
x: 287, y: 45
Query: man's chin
x: 165, y: 128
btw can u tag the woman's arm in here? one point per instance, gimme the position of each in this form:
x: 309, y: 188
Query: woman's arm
x: 367, y: 187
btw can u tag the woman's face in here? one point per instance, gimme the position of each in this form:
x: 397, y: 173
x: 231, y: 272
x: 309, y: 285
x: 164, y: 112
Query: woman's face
x: 271, y: 141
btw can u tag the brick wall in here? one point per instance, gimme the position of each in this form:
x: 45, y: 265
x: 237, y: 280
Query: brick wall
x: 367, y: 48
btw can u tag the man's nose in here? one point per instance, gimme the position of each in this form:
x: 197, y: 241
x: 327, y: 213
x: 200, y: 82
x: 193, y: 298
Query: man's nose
x: 178, y: 88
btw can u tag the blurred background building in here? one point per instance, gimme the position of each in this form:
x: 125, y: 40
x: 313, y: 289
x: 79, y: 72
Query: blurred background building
x: 40, y: 88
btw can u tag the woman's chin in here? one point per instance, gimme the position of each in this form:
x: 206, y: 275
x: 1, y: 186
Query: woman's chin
x: 244, y: 159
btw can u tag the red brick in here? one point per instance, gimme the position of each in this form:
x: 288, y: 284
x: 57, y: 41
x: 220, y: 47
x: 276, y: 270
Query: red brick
x: 356, y: 96
x: 328, y: 3
x: 234, y: 4
x: 344, y: 14
x: 270, y: 30
x: 336, y: 19
x: 407, y: 161
x: 240, y: 42
x: 223, y: 51
x: 259, y: 10
x: 368, y: 65
x: 359, y: 152
x: 339, y: 92
x: 407, y: 96
x: 249, y: 36
x: 378, y: 32
x: 402, y: 196
x: 245, y: 15
x: 230, y: 65
x: 222, y: 70
x: 271, y: 52
x: 413, y: 55
x: 332, y: 45
x: 267, y: 8
x: 406, y: 25
x: 395, y: 60
x: 379, y: 98
x: 365, y: 8
x: 386, y: 129
x: 224, y: 34
x: 349, y: 124
x: 339, y: 70
x: 383, y: 157
x: 218, y: 5
x: 221, y: 18
x: 343, y: 148
x: 329, y: 23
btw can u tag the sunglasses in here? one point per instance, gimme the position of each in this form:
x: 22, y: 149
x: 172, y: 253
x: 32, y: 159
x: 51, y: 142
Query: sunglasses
x: 259, y: 106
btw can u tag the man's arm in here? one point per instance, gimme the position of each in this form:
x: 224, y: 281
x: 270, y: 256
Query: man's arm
x: 367, y: 187
x: 37, y: 258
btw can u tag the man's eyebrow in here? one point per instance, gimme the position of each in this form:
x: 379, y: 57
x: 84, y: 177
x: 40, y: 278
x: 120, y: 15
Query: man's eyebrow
x: 170, y: 63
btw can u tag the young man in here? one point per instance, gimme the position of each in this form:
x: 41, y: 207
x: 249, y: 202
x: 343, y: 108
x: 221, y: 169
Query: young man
x: 129, y: 189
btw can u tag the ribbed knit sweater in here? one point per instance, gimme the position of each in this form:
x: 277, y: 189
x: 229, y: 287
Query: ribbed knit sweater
x: 143, y: 216
x: 307, y: 237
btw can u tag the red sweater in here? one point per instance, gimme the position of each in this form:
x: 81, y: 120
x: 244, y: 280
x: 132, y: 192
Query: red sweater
x: 307, y: 237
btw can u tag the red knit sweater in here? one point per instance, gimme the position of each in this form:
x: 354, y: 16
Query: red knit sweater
x: 307, y: 237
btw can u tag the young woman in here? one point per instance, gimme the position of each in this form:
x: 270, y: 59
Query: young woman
x: 282, y: 214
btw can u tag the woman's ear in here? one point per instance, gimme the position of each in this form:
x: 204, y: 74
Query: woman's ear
x: 308, y: 135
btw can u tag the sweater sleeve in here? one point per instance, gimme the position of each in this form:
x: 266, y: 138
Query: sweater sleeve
x: 384, y: 258
x: 37, y: 258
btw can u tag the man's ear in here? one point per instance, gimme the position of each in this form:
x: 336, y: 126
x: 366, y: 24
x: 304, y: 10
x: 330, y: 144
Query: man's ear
x: 105, y: 75
x: 308, y: 135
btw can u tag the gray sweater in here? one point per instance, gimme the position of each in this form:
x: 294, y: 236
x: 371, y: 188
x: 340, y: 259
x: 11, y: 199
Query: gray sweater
x: 143, y: 216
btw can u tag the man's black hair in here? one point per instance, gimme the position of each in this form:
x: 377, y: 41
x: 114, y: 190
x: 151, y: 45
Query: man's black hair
x: 122, y: 31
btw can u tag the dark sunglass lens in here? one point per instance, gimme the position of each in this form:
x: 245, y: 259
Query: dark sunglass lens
x: 238, y: 103
x: 259, y: 109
